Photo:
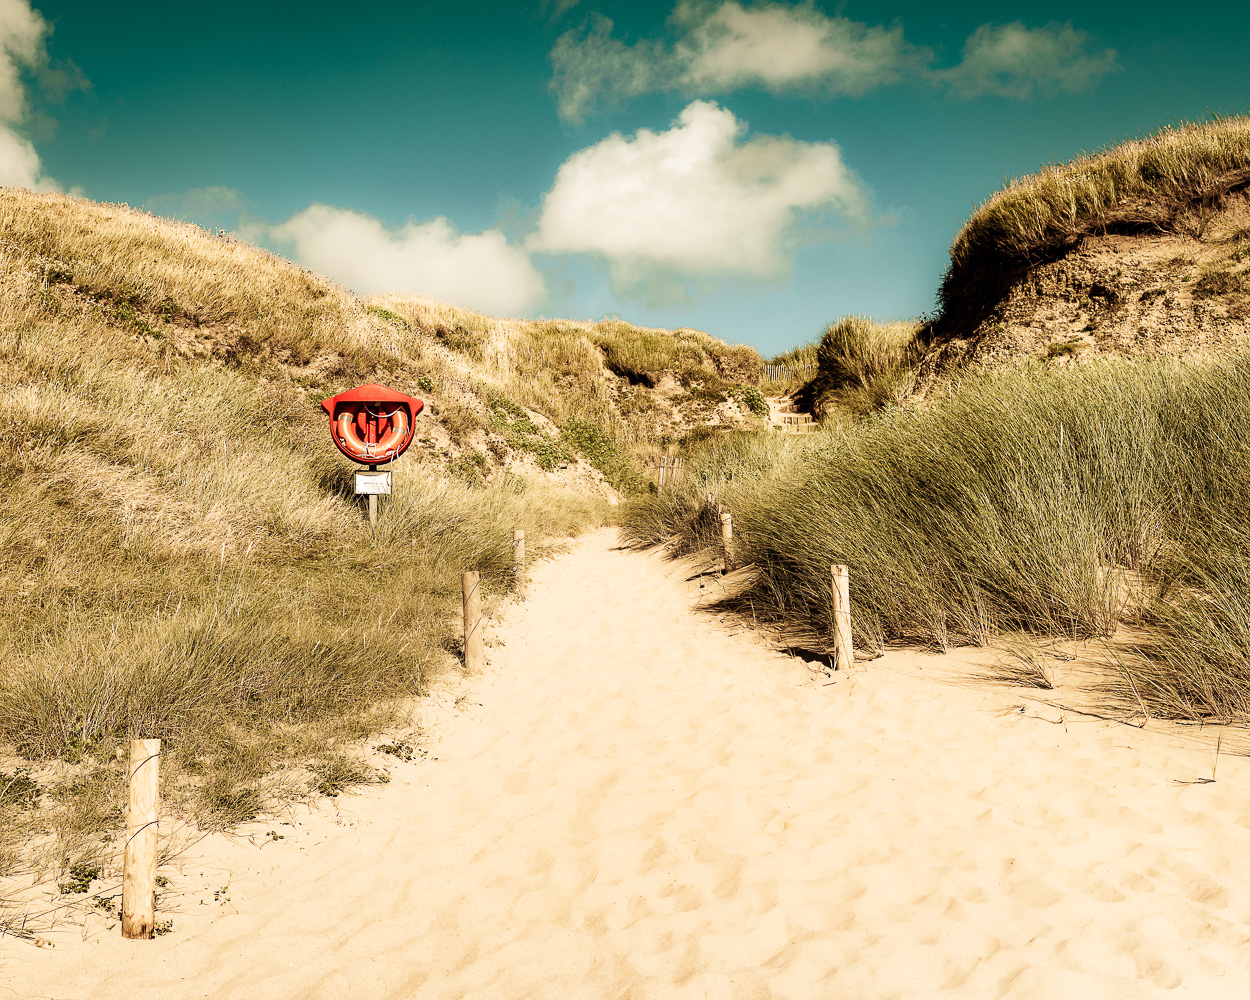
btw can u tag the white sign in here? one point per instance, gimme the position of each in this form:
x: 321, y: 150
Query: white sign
x: 373, y: 482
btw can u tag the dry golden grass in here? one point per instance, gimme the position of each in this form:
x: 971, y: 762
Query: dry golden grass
x: 181, y: 553
x: 863, y: 365
x: 1175, y: 180
x: 572, y: 370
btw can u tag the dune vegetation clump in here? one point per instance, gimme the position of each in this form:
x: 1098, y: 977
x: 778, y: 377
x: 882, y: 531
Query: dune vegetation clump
x: 1174, y: 181
x: 1063, y: 503
x: 862, y: 366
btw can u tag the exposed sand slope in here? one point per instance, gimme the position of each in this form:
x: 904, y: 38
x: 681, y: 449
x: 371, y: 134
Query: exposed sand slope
x: 641, y: 805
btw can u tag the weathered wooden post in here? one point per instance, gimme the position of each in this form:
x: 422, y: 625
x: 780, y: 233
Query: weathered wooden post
x: 727, y: 539
x: 663, y: 469
x: 139, y: 864
x: 518, y: 559
x: 470, y: 584
x: 843, y: 644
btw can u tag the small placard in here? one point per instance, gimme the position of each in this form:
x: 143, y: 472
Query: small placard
x: 373, y: 482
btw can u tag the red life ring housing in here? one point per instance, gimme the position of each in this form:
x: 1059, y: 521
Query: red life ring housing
x: 372, y: 424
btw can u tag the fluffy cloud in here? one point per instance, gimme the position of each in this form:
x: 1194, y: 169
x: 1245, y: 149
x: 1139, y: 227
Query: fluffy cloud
x: 478, y: 271
x: 591, y: 65
x: 694, y: 202
x: 779, y: 46
x: 723, y: 46
x: 1017, y: 61
x: 22, y: 35
x: 558, y: 8
x: 717, y: 46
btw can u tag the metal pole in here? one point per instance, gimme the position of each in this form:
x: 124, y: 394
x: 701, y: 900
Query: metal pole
x: 373, y: 504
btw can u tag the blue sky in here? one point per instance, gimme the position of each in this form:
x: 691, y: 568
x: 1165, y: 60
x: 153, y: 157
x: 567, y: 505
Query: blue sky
x: 753, y: 169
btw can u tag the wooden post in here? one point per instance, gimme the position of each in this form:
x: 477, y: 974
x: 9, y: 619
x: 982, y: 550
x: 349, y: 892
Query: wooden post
x: 473, y: 649
x: 844, y: 646
x: 518, y: 559
x: 727, y: 539
x: 663, y: 469
x: 139, y: 864
x: 373, y: 510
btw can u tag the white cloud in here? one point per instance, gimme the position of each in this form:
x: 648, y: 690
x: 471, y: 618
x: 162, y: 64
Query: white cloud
x: 724, y: 46
x: 694, y: 202
x: 779, y: 46
x: 479, y: 271
x: 19, y: 164
x: 591, y: 65
x: 717, y: 46
x: 1014, y: 60
x: 22, y: 34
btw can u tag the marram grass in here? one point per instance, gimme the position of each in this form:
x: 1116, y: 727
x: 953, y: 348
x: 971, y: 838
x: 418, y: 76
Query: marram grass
x: 1174, y: 180
x: 182, y: 555
x: 1019, y: 504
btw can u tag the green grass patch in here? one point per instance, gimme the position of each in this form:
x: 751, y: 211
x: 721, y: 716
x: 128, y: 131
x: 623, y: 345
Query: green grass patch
x: 861, y: 366
x: 391, y: 317
x: 601, y: 451
x: 522, y: 434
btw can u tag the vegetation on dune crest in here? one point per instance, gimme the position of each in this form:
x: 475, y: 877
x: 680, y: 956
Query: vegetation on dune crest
x: 602, y: 373
x: 1063, y: 503
x: 862, y: 366
x: 1172, y: 181
x: 181, y: 552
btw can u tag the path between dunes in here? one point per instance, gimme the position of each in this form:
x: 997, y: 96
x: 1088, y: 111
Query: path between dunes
x: 639, y: 804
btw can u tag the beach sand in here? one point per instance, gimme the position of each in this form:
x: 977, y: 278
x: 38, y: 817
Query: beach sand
x: 633, y: 802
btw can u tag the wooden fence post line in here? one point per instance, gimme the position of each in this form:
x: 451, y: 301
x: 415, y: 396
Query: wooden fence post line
x: 518, y: 559
x: 727, y: 539
x: 470, y: 584
x: 844, y: 645
x: 139, y: 864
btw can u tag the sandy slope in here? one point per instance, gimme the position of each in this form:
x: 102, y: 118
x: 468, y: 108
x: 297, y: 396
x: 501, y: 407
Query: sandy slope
x: 638, y: 804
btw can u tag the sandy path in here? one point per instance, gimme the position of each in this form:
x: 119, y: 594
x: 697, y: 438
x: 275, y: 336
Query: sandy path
x: 640, y: 805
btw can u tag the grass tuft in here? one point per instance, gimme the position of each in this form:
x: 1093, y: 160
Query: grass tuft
x: 1036, y: 502
x: 863, y: 366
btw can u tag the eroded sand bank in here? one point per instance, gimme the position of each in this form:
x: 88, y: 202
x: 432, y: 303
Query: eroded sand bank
x: 634, y: 803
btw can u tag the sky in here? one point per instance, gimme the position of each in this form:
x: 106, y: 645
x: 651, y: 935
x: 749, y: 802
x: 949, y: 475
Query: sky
x: 753, y: 169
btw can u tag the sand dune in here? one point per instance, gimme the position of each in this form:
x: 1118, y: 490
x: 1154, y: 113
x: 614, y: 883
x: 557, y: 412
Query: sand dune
x: 635, y: 803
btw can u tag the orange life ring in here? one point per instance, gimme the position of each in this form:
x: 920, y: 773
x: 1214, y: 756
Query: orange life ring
x: 349, y: 425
